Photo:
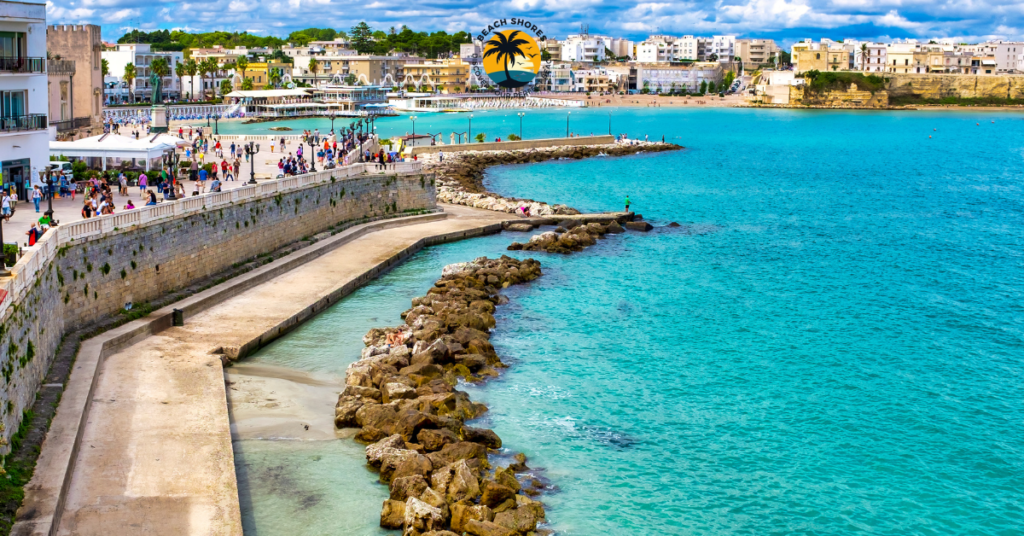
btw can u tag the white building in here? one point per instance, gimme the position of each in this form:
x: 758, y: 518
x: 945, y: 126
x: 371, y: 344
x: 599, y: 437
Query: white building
x: 585, y: 47
x: 723, y: 47
x: 24, y: 100
x: 141, y: 56
x: 1008, y: 55
x: 869, y: 57
x: 667, y: 48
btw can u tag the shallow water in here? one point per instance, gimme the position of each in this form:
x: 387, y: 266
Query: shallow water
x: 831, y: 343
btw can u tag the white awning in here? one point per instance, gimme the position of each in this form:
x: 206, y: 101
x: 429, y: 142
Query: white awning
x: 112, y: 146
x: 269, y: 93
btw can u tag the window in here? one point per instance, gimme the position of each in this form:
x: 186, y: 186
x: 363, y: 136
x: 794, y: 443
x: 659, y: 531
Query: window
x: 817, y: 56
x: 12, y: 103
x: 12, y: 45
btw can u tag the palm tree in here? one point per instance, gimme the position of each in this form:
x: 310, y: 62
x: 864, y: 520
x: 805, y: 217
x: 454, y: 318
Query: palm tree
x: 863, y: 56
x: 180, y: 71
x: 274, y: 77
x: 191, y: 67
x: 241, y: 63
x: 504, y: 49
x: 209, y: 67
x: 246, y: 84
x: 106, y: 67
x: 129, y: 76
x: 314, y: 66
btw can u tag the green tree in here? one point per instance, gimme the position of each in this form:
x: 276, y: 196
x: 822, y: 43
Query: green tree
x: 180, y: 71
x: 545, y: 55
x: 225, y: 87
x: 506, y: 48
x: 274, y: 78
x: 105, y: 67
x: 314, y: 66
x: 208, y: 67
x: 361, y: 38
x: 863, y: 56
x: 246, y: 84
x: 480, y: 138
x: 192, y: 68
x: 129, y: 77
x: 711, y: 87
x: 241, y: 63
x: 703, y: 87
x: 351, y: 80
x: 160, y: 67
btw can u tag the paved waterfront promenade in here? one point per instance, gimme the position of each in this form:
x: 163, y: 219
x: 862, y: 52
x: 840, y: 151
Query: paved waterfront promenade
x: 156, y: 455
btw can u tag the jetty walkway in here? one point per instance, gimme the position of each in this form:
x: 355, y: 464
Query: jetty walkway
x: 154, y: 454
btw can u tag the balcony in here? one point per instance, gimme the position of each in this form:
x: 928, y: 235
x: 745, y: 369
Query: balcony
x: 72, y: 124
x: 20, y: 123
x: 13, y: 64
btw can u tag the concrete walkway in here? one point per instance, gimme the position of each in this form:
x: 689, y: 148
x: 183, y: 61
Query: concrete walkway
x: 156, y: 455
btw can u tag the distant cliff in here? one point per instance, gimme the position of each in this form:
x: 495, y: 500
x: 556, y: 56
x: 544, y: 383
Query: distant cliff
x: 954, y: 89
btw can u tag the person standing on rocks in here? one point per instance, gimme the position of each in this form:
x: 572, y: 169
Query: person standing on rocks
x: 627, y: 204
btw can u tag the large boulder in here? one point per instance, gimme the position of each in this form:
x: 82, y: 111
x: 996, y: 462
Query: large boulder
x: 487, y: 528
x: 519, y: 227
x: 404, y: 463
x: 407, y: 486
x: 494, y: 494
x: 409, y: 422
x: 483, y: 436
x: 639, y: 226
x: 392, y: 515
x: 345, y: 412
x: 520, y: 519
x: 463, y: 513
x: 361, y: 392
x: 421, y: 517
x: 462, y: 450
x: 615, y: 228
x: 396, y: 391
x: 435, y: 439
x: 375, y: 453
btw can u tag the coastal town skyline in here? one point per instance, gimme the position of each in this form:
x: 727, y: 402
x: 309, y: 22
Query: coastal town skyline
x: 785, y: 21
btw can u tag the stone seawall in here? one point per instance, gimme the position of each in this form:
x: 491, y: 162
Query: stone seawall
x: 545, y: 143
x: 461, y: 176
x: 87, y: 280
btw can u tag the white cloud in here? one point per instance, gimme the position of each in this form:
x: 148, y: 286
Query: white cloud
x: 62, y: 14
x: 120, y: 15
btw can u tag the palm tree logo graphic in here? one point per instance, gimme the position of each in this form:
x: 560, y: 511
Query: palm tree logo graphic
x: 502, y: 51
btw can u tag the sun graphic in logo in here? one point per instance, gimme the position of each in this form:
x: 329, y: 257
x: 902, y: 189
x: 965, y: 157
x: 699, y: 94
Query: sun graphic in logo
x: 511, y: 58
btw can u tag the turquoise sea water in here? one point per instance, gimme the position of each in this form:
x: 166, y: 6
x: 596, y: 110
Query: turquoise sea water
x: 833, y: 342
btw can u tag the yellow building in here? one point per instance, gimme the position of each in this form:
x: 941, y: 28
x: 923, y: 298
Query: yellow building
x: 260, y: 73
x: 824, y: 56
x: 446, y: 76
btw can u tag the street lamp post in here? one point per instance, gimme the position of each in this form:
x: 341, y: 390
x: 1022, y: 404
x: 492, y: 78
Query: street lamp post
x: 312, y: 155
x: 333, y: 117
x: 521, y: 114
x: 171, y: 161
x: 216, y: 131
x: 252, y: 149
x: 469, y: 133
x: 207, y: 119
x: 49, y: 197
x: 567, y: 124
x: 413, y: 117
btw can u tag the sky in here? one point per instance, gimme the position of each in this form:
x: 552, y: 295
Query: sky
x: 785, y: 21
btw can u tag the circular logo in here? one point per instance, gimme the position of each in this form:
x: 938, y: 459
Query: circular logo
x: 511, y: 58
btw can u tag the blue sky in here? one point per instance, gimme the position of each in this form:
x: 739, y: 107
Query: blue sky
x: 783, y: 20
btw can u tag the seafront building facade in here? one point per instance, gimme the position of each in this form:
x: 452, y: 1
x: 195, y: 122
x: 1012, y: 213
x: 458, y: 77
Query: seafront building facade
x: 24, y: 136
x: 75, y: 79
x: 141, y: 55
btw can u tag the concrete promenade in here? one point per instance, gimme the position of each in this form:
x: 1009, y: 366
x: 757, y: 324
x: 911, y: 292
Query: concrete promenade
x: 155, y: 455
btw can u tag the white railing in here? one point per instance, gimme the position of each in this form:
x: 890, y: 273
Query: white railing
x: 24, y: 272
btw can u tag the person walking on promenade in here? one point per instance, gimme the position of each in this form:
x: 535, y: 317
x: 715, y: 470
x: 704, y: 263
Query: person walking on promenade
x: 5, y: 207
x: 238, y: 167
x: 142, y: 185
x: 36, y: 196
x: 122, y: 183
x: 271, y: 145
x: 627, y: 204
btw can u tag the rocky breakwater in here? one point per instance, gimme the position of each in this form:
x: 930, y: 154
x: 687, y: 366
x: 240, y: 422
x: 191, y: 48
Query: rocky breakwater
x: 572, y: 235
x: 402, y: 395
x: 460, y: 178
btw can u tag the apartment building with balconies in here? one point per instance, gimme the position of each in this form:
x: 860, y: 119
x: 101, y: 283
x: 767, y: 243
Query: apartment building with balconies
x: 24, y: 134
x: 756, y: 52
